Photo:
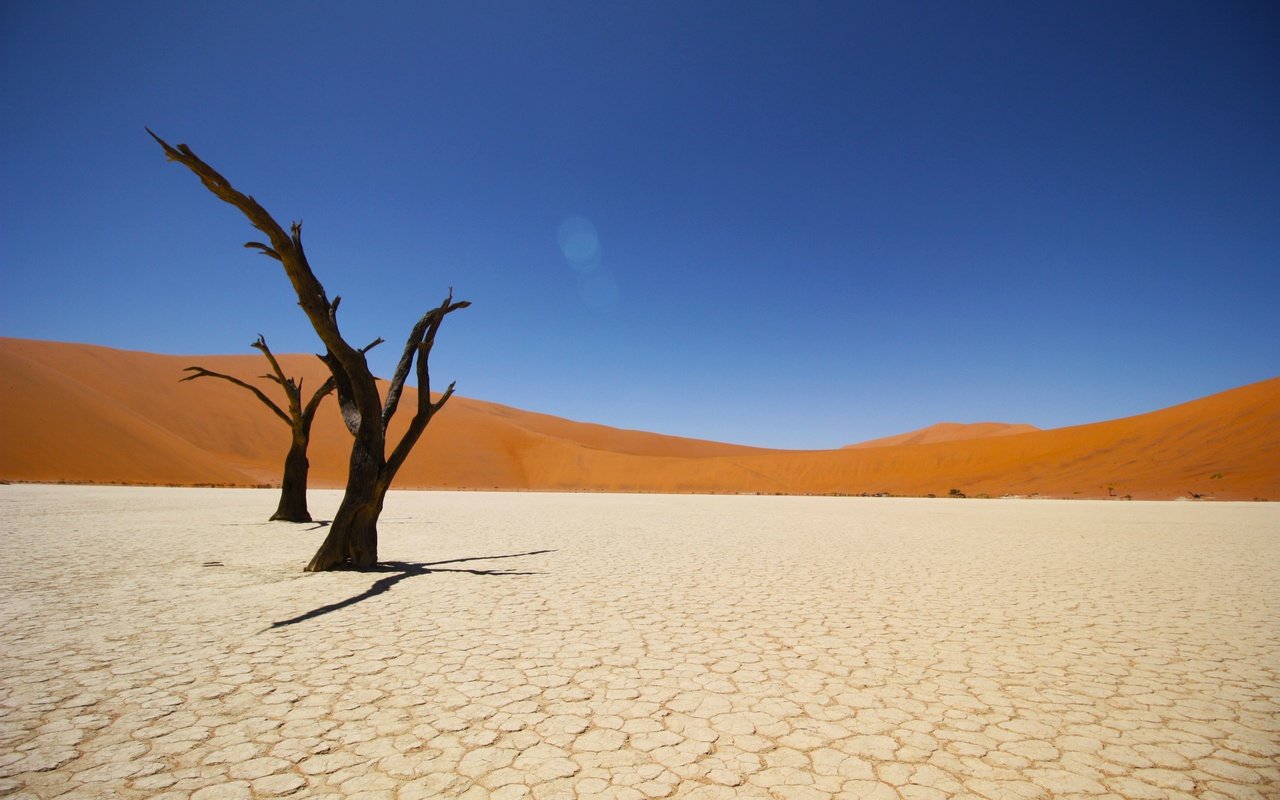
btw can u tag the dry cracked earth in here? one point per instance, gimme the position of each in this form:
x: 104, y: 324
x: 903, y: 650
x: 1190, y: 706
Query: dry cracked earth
x: 164, y: 643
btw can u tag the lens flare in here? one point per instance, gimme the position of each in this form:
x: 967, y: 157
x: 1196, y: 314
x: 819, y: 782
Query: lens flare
x: 580, y: 243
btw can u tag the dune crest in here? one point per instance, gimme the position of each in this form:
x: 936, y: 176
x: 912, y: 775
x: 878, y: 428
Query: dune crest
x: 88, y: 414
x: 947, y: 432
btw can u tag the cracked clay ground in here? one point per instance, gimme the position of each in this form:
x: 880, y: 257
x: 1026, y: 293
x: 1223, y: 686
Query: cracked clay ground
x: 164, y: 643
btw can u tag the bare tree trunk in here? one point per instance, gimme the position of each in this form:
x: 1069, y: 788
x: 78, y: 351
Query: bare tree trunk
x: 352, y: 541
x: 293, y: 486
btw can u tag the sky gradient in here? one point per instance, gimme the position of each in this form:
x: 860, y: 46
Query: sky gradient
x: 788, y: 225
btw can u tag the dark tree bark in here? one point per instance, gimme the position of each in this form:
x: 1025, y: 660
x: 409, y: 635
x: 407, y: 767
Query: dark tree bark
x: 293, y: 484
x: 352, y: 541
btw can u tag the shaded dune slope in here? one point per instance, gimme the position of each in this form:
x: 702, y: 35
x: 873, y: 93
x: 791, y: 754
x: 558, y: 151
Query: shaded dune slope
x: 83, y: 413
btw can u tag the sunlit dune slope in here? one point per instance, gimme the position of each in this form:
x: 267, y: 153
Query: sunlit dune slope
x: 94, y: 414
x: 947, y: 432
x: 90, y: 414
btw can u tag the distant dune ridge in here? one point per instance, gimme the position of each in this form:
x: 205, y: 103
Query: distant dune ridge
x: 947, y: 432
x: 82, y: 413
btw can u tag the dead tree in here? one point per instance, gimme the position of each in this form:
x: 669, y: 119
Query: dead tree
x: 352, y: 541
x: 293, y: 484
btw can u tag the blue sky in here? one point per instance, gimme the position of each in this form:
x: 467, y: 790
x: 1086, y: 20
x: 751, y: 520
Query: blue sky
x: 783, y: 224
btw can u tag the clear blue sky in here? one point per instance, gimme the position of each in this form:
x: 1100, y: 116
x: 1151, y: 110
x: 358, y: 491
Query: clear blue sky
x: 783, y: 224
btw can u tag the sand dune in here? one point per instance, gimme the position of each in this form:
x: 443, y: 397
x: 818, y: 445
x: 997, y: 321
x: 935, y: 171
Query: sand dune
x: 82, y: 413
x: 946, y: 432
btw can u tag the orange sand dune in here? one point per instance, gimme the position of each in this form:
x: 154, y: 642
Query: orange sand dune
x: 947, y: 432
x: 82, y: 413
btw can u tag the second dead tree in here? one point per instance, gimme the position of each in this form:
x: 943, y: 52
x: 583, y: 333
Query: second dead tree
x: 293, y: 485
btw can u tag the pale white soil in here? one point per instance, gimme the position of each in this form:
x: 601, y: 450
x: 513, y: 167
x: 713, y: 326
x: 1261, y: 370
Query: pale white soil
x: 630, y: 646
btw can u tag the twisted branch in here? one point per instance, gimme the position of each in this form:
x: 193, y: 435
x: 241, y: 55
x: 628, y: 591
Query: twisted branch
x: 421, y: 339
x: 201, y: 372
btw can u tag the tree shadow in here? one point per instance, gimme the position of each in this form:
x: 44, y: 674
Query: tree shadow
x: 317, y: 523
x: 407, y: 569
